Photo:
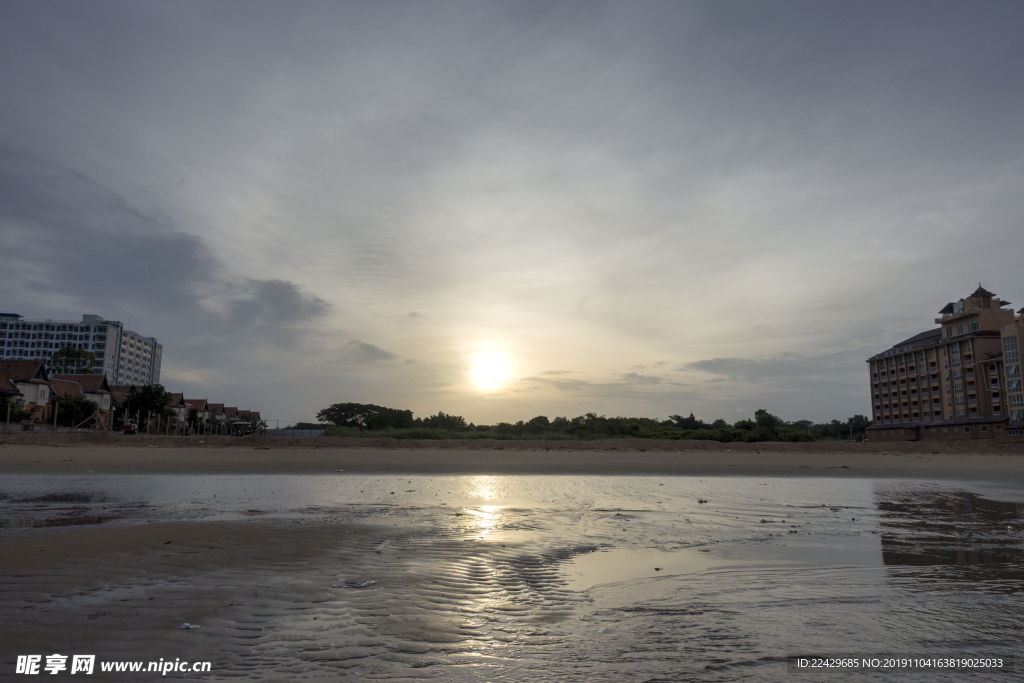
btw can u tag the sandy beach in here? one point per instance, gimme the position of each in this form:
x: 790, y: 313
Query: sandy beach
x: 110, y: 454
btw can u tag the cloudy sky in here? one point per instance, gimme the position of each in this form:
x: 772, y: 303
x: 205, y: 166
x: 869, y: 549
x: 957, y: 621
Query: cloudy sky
x: 639, y: 208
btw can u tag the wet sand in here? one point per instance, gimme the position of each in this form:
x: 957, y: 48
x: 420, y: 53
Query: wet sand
x: 122, y: 591
x: 750, y: 460
x: 528, y: 591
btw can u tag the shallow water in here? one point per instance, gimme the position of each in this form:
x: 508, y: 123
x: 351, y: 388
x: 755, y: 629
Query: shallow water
x: 482, y: 578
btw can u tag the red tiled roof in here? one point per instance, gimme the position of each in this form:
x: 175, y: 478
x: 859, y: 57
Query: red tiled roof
x: 215, y: 407
x: 120, y: 392
x: 7, y: 387
x: 197, y: 403
x: 230, y: 412
x: 26, y: 370
x: 91, y: 384
x: 63, y: 388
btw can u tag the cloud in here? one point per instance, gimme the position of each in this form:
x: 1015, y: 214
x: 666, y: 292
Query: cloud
x: 631, y: 386
x: 361, y: 352
x: 81, y: 245
x: 634, y: 378
x: 273, y: 302
x: 786, y: 368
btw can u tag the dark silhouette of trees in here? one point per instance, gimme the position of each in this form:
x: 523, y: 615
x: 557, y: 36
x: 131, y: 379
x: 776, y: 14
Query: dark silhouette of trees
x: 763, y: 427
x: 365, y: 416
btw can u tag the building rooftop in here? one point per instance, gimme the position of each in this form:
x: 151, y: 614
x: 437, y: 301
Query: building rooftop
x: 91, y: 384
x: 7, y: 387
x: 63, y: 388
x: 26, y: 370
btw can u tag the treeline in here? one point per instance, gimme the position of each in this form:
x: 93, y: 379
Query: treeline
x: 357, y: 419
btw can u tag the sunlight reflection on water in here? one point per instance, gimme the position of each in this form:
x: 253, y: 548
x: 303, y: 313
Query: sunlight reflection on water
x: 591, y: 578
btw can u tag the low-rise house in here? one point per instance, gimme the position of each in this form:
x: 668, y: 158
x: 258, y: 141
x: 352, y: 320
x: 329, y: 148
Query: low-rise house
x: 215, y: 412
x: 96, y: 389
x: 31, y: 379
x: 63, y: 388
x: 177, y: 404
x: 200, y: 406
x: 9, y: 391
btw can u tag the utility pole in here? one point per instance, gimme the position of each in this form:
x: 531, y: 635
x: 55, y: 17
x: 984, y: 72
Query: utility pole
x: 56, y: 407
x: 8, y: 427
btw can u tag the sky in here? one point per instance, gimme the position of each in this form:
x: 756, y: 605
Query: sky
x: 630, y: 208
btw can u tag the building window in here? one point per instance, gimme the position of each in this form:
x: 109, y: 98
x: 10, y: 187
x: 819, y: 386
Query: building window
x: 949, y: 332
x: 1014, y: 432
x: 961, y: 413
x: 972, y: 326
x: 984, y: 428
x: 1010, y: 351
x: 967, y: 429
x: 1012, y: 371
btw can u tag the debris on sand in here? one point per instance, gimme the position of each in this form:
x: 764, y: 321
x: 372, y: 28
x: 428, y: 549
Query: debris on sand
x: 359, y: 583
x: 188, y: 625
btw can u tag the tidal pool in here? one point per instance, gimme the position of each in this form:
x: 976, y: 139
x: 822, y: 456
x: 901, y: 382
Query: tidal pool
x: 484, y: 578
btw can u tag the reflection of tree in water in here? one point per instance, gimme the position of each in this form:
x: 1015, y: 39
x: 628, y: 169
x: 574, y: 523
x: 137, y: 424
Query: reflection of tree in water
x: 927, y: 526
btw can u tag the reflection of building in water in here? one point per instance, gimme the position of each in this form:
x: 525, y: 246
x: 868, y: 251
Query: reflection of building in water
x: 923, y: 527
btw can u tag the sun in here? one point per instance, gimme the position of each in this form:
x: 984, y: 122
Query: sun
x: 490, y: 370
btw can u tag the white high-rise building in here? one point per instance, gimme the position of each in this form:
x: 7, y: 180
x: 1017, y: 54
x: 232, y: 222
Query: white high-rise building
x: 125, y: 357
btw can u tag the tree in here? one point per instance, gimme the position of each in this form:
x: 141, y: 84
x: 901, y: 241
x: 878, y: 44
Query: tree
x: 366, y: 416
x: 17, y: 412
x: 69, y: 361
x: 538, y: 425
x: 687, y: 422
x: 767, y: 428
x: 442, y: 421
x: 71, y: 410
x: 146, y: 400
x: 390, y: 418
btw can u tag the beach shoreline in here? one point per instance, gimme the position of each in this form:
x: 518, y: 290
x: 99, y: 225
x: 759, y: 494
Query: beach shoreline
x: 520, y: 458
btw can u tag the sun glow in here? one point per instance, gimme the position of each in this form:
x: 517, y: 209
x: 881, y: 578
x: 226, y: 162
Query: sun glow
x: 490, y: 370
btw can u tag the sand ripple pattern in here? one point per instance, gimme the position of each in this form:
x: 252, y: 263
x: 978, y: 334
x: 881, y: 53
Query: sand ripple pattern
x: 656, y: 588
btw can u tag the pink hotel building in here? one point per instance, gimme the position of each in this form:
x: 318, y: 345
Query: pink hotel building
x: 959, y: 381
